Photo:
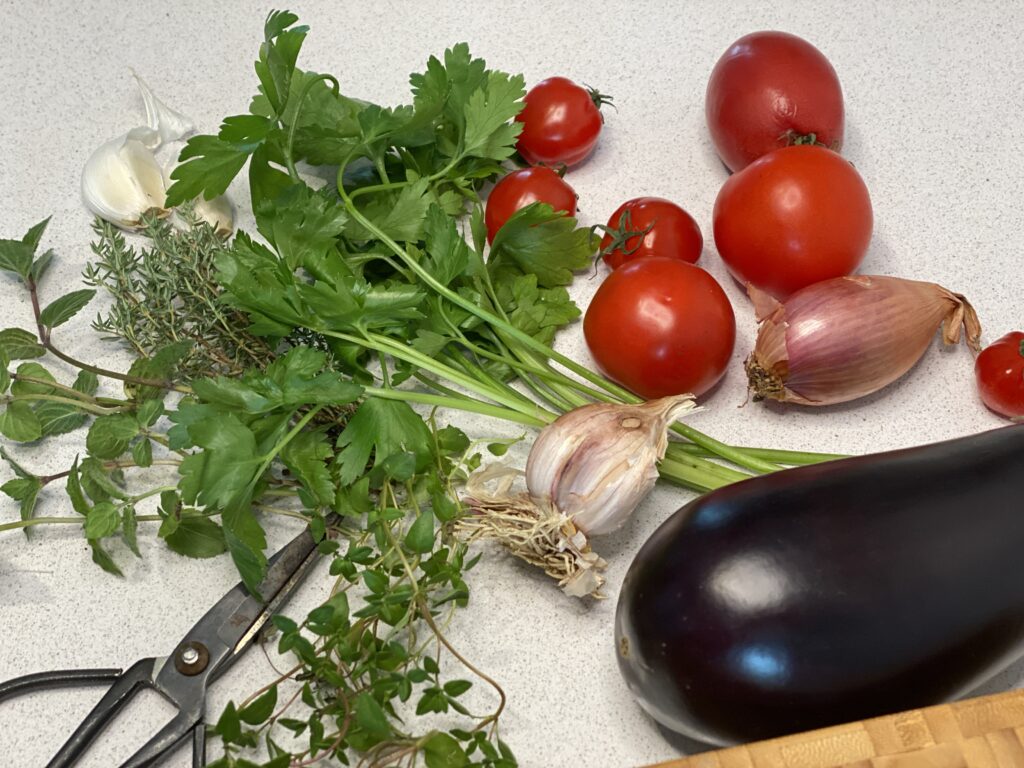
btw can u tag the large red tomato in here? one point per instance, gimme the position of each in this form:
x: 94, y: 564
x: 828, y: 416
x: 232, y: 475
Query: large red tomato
x: 660, y: 327
x: 767, y: 89
x: 521, y: 188
x: 650, y: 226
x: 795, y: 217
x: 999, y: 370
x: 561, y: 122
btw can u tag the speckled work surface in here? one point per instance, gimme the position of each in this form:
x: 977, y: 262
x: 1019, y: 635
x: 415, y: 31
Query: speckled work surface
x: 933, y: 98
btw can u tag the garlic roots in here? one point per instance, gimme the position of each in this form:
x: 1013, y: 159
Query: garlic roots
x: 586, y: 474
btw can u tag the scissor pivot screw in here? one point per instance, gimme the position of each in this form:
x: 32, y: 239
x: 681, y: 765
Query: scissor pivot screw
x: 191, y: 658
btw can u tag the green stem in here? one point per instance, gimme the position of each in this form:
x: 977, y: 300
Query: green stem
x: 503, y: 327
x: 87, y: 407
x: 269, y: 457
x: 289, y: 160
x: 382, y: 343
x: 460, y: 403
x: 789, y: 458
x: 64, y: 521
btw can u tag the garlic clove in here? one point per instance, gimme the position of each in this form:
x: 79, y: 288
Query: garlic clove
x: 168, y: 124
x: 595, y: 464
x: 219, y: 213
x: 122, y: 180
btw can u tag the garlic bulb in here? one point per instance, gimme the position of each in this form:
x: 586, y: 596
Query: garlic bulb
x: 123, y: 180
x: 586, y: 473
x: 596, y: 463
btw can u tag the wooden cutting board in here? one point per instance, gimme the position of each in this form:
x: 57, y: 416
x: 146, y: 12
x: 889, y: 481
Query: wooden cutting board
x: 986, y: 732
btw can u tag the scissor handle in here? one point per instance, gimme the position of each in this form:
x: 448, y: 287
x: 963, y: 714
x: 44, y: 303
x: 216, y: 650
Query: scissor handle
x: 60, y: 678
x: 140, y: 675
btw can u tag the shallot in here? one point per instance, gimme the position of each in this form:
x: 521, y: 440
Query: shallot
x: 844, y: 338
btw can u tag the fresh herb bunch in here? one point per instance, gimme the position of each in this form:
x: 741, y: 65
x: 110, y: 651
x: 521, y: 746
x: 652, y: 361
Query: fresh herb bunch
x: 370, y: 296
x: 167, y: 292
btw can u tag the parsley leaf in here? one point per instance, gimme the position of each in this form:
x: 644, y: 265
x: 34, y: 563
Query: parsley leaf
x: 542, y: 242
x: 382, y: 428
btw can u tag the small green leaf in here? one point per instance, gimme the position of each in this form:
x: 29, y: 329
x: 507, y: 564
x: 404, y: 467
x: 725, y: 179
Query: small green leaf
x: 142, y: 452
x: 20, y: 344
x: 16, y: 257
x: 197, y: 537
x: 229, y: 725
x: 74, y: 489
x: 102, y: 520
x: 109, y: 436
x: 104, y: 560
x: 35, y: 234
x: 420, y: 537
x: 375, y: 581
x: 149, y: 411
x: 430, y: 665
x: 129, y: 529
x: 59, y: 418
x: 442, y: 751
x: 260, y: 708
x: 20, y: 423
x: 100, y: 483
x: 86, y: 382
x: 63, y: 309
x: 5, y: 375
x: 456, y: 688
x: 371, y: 718
x: 24, y: 490
x: 32, y: 371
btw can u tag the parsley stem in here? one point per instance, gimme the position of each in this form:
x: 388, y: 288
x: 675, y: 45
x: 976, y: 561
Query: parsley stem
x: 289, y: 160
x: 402, y: 352
x: 504, y: 327
x: 462, y: 404
x: 790, y: 458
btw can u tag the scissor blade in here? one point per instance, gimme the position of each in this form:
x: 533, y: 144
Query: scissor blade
x: 230, y: 626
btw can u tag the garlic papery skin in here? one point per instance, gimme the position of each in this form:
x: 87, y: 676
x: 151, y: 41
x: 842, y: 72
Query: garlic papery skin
x: 596, y: 463
x: 122, y: 180
x: 169, y: 124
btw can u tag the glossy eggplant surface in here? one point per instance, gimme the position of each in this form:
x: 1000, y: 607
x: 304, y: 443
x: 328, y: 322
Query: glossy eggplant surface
x: 830, y: 593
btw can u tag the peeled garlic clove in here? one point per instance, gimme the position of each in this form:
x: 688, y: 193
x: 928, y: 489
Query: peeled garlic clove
x: 168, y: 124
x: 219, y: 213
x: 122, y: 180
x: 596, y: 463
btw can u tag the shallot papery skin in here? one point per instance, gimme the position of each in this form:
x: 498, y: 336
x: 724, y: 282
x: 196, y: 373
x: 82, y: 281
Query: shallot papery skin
x: 841, y: 339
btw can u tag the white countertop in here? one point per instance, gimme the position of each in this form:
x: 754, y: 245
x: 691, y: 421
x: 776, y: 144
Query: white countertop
x: 934, y: 126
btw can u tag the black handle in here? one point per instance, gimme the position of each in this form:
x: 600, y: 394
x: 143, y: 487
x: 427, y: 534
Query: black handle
x: 127, y: 684
x: 57, y: 679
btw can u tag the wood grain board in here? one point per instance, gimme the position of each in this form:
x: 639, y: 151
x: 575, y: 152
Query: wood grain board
x: 985, y: 732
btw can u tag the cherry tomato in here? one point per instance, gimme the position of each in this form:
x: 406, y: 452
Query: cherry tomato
x: 999, y: 371
x: 661, y: 326
x: 520, y: 188
x: 795, y: 217
x: 670, y: 231
x: 561, y: 122
x: 767, y: 89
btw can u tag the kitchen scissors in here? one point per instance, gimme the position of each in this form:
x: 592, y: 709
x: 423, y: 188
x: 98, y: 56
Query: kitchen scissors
x: 205, y: 653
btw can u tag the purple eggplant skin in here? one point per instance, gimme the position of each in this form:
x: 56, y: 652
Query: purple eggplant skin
x: 830, y: 593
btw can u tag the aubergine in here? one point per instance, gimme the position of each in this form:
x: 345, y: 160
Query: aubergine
x: 830, y: 593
